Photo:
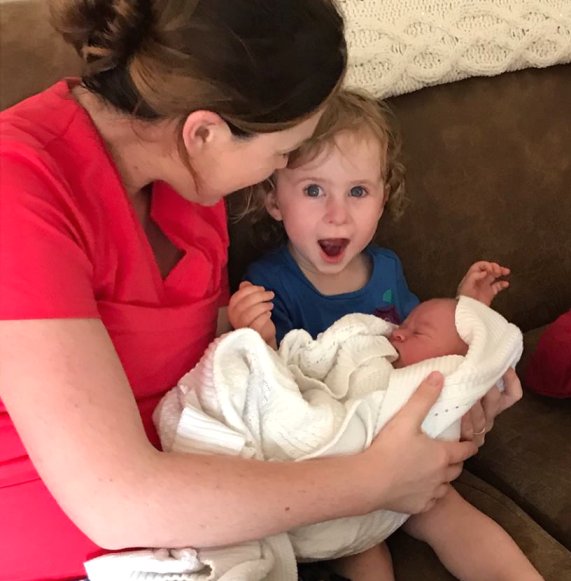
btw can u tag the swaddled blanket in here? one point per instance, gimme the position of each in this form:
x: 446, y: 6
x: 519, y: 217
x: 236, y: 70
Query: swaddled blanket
x: 312, y: 398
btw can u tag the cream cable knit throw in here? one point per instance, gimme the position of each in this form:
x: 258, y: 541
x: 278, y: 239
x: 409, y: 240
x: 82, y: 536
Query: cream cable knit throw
x: 399, y: 46
x: 313, y: 398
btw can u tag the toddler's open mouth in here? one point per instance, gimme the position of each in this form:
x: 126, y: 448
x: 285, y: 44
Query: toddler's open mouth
x: 333, y: 247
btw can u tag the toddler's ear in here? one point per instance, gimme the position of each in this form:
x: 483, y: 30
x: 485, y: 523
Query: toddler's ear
x: 272, y: 206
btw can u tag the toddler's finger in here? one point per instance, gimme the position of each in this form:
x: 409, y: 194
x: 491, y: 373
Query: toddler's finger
x: 250, y: 297
x: 260, y: 321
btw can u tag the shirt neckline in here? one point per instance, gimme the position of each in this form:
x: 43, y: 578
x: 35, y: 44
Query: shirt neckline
x: 337, y: 297
x: 158, y: 198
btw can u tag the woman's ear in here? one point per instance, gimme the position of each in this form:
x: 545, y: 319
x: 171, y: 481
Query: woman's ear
x: 201, y: 130
x: 272, y: 206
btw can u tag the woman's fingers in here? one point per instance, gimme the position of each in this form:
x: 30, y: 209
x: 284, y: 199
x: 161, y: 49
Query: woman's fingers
x: 512, y: 392
x: 474, y: 424
x: 419, y: 404
x: 458, y: 452
x: 420, y: 467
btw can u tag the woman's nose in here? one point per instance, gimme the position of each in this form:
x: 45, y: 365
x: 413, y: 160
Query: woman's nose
x: 336, y: 211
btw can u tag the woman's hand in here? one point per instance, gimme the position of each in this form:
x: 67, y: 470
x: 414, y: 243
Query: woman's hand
x: 480, y: 419
x: 413, y: 470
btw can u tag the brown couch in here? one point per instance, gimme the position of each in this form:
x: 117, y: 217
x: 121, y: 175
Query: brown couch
x: 489, y: 176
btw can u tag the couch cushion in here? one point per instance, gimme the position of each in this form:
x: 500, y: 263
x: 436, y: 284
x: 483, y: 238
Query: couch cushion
x: 488, y: 178
x: 33, y: 55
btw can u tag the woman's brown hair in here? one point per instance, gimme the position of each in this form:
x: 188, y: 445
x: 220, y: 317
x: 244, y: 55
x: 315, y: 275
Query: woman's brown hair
x: 262, y: 65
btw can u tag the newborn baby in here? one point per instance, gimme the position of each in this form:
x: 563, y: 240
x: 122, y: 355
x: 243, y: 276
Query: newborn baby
x: 429, y: 331
x: 327, y: 396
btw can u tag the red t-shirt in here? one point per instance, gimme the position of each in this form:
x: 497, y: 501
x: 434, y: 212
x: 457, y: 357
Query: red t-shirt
x: 71, y: 246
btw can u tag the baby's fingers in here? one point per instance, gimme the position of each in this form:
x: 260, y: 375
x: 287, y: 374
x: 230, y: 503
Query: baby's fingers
x: 500, y: 285
x: 496, y: 269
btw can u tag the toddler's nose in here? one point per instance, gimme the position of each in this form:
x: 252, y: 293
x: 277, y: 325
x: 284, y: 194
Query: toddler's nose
x: 336, y: 211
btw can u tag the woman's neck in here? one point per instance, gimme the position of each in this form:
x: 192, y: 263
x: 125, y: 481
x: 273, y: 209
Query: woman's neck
x: 139, y: 150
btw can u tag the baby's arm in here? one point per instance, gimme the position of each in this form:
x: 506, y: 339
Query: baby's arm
x: 482, y: 281
x: 251, y: 306
x: 469, y: 544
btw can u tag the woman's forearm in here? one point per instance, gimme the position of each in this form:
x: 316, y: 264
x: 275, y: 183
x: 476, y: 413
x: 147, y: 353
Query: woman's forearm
x: 90, y: 448
x: 88, y: 444
x: 202, y: 501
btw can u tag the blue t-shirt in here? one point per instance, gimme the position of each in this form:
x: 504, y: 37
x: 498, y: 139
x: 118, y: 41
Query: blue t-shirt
x: 299, y: 305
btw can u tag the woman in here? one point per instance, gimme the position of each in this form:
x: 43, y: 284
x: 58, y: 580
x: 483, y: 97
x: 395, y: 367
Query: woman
x: 112, y: 269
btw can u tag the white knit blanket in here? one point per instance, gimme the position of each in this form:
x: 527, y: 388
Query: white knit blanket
x: 313, y: 398
x: 399, y: 46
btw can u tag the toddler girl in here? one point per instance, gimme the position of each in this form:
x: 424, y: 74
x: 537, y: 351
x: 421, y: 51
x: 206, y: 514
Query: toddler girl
x: 326, y: 205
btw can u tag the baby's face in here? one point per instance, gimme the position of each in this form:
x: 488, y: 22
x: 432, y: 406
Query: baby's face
x: 429, y: 331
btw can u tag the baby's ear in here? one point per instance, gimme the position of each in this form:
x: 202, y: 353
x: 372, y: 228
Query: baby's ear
x: 271, y: 202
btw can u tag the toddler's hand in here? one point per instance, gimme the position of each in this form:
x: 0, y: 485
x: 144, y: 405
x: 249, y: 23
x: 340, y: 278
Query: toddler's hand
x: 251, y: 306
x: 482, y: 281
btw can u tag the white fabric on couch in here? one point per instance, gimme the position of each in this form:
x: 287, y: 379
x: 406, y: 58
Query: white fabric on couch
x: 399, y: 46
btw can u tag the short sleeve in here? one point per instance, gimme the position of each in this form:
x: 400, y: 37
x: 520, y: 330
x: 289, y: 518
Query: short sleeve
x: 45, y: 270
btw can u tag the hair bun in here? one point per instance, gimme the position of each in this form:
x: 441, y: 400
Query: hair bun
x: 105, y: 33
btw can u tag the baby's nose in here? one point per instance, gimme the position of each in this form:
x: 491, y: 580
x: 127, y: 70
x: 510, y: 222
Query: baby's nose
x: 398, y: 334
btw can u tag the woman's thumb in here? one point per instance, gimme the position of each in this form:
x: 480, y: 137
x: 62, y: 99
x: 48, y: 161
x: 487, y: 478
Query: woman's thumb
x: 419, y: 404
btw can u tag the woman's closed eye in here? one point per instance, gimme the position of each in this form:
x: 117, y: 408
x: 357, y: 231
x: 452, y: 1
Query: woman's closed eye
x: 358, y: 192
x: 312, y: 191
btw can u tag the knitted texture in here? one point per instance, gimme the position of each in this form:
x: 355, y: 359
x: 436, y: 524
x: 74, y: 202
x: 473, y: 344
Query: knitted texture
x: 313, y: 398
x: 399, y: 46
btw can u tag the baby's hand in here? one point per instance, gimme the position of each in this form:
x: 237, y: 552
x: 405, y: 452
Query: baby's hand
x: 251, y: 306
x: 482, y: 283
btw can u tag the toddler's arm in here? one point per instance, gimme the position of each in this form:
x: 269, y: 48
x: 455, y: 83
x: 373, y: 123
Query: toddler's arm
x: 251, y: 306
x: 482, y: 281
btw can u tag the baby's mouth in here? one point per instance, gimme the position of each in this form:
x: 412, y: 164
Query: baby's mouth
x: 397, y: 362
x: 333, y: 247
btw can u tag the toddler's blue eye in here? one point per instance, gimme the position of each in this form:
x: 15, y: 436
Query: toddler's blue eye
x: 358, y: 192
x: 313, y: 190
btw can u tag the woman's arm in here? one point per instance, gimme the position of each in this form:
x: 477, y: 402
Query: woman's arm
x: 480, y: 418
x: 67, y: 394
